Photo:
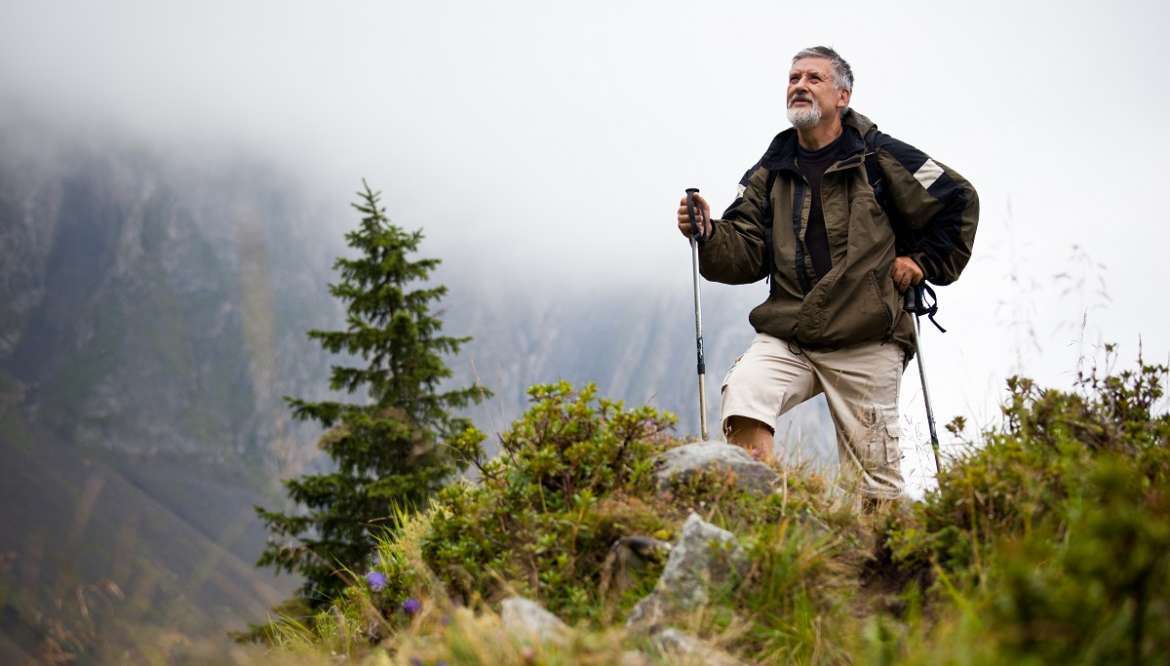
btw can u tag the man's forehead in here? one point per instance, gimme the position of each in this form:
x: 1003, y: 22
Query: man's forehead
x: 811, y: 64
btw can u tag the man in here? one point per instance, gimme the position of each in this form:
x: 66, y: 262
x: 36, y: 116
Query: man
x: 842, y: 219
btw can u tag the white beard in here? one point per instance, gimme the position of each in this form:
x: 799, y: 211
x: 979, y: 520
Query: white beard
x: 804, y: 117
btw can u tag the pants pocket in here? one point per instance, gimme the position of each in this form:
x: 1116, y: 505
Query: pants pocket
x: 890, y: 444
x: 727, y: 375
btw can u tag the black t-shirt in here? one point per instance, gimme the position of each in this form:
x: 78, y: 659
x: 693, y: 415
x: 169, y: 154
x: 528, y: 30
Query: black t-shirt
x: 812, y: 165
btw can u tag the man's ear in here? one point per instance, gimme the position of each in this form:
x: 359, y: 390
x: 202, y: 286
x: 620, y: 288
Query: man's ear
x: 843, y: 99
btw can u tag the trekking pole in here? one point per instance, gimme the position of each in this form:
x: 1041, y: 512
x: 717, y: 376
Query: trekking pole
x: 914, y: 303
x: 695, y: 231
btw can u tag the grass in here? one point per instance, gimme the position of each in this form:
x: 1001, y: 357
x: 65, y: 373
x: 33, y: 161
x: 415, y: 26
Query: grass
x: 1049, y: 543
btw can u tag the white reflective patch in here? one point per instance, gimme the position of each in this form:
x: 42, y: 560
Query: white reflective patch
x: 928, y: 173
x: 739, y: 190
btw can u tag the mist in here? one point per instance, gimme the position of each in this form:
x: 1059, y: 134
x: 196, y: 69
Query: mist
x: 542, y: 147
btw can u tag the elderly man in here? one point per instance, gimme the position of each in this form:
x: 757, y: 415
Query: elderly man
x: 841, y: 219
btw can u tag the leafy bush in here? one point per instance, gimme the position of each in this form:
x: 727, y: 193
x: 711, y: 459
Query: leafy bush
x: 536, y: 521
x: 1053, y: 539
x: 1038, y: 461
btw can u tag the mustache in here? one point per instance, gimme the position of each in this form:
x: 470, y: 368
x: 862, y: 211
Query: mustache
x: 799, y: 97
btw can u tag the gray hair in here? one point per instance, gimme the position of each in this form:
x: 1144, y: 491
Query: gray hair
x: 842, y: 73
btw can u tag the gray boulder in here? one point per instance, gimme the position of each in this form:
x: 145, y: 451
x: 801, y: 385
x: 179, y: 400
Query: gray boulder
x: 704, y: 556
x: 682, y: 462
x: 685, y: 648
x: 527, y: 620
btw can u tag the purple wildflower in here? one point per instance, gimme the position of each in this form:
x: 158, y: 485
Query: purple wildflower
x: 415, y: 661
x: 376, y: 581
x: 411, y: 606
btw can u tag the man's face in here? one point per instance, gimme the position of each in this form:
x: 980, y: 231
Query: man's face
x: 811, y: 93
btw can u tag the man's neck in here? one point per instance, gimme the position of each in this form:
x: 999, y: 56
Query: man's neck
x: 821, y: 134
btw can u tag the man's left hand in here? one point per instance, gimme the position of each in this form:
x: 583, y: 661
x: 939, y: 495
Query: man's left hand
x: 905, y: 272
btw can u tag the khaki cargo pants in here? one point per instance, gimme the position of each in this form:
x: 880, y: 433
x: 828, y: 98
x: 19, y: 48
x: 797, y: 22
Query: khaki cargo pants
x: 861, y: 385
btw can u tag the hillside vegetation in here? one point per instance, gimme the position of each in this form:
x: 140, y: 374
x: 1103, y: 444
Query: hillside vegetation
x: 1047, y: 543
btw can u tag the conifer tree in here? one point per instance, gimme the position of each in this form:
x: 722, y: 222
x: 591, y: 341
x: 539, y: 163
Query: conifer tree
x: 396, y: 447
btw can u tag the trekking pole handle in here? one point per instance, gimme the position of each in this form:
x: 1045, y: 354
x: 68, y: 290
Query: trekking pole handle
x: 912, y: 299
x: 695, y: 231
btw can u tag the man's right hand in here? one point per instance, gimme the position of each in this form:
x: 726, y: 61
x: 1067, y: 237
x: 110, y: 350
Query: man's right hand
x: 702, y: 217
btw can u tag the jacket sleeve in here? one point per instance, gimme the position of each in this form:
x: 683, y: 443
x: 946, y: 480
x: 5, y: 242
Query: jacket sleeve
x: 735, y: 252
x: 938, y: 205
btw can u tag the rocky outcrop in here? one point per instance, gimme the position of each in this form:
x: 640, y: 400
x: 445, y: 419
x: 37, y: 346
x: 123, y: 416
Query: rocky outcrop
x: 525, y: 619
x: 684, y: 462
x: 705, y: 556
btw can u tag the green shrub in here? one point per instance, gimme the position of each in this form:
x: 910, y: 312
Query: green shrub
x: 1052, y: 541
x: 535, y: 523
x: 1022, y: 478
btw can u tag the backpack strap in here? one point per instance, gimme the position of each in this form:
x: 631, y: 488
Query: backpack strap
x: 916, y: 301
x: 904, y: 236
x: 873, y: 174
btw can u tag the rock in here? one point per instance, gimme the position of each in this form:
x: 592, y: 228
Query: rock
x: 527, y: 620
x: 634, y: 658
x: 695, y: 564
x: 627, y: 556
x: 690, y: 650
x: 649, y: 613
x: 683, y: 462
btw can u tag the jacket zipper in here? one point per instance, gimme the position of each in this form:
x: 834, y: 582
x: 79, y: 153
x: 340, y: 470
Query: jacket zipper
x: 798, y: 208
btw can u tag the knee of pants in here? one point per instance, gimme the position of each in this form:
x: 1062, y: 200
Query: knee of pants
x: 745, y: 392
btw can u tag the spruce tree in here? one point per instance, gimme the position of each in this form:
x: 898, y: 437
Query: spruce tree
x: 396, y: 447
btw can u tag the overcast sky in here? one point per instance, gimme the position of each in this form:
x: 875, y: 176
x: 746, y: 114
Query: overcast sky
x: 554, y: 139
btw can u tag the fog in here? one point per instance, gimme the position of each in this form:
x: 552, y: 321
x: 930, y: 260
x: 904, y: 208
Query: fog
x: 548, y: 143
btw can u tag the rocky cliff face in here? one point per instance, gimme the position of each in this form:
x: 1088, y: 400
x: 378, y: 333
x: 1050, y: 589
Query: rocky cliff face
x: 152, y: 315
x: 151, y: 310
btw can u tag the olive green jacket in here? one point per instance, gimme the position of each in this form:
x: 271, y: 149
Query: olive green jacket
x: 934, y: 214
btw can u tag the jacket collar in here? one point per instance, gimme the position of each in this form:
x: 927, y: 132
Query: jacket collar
x: 781, y: 153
